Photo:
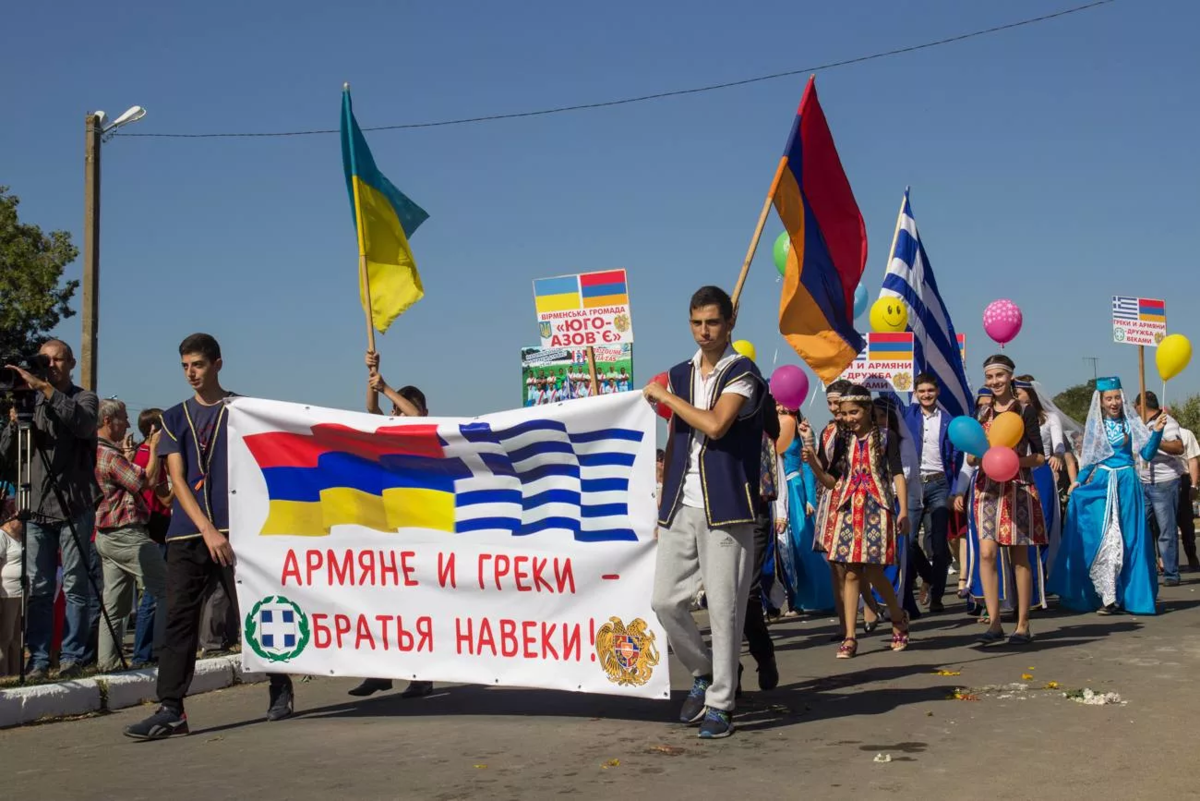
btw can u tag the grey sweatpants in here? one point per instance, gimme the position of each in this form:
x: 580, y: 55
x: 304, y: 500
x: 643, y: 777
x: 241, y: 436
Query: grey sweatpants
x: 722, y: 559
x: 128, y: 554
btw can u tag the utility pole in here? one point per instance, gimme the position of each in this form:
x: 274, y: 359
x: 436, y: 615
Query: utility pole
x: 1095, y: 361
x: 91, y: 250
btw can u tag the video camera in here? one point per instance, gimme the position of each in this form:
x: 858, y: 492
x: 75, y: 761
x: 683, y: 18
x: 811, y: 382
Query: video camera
x: 11, y: 381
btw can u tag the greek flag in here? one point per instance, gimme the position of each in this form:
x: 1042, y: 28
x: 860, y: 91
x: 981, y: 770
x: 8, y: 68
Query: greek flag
x: 935, y: 343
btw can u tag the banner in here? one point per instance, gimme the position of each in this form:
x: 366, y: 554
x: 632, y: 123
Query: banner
x: 885, y: 364
x: 512, y: 549
x: 1139, y: 321
x: 551, y: 375
x: 584, y: 310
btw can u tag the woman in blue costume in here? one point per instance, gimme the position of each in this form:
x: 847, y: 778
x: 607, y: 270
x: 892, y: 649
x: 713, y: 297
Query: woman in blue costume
x: 1107, y: 559
x: 805, y: 570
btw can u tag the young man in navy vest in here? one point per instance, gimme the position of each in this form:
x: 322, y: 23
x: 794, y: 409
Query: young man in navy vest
x: 194, y: 443
x: 708, y: 506
x: 929, y: 426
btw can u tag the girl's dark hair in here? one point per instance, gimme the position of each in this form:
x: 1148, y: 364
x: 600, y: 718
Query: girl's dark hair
x: 1034, y: 400
x: 148, y: 418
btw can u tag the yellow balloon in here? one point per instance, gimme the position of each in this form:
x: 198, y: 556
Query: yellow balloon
x: 746, y: 349
x: 1006, y: 430
x: 1172, y: 356
x: 889, y: 315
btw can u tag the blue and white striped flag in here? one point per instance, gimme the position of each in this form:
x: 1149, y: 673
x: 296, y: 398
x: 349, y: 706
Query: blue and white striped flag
x: 935, y: 342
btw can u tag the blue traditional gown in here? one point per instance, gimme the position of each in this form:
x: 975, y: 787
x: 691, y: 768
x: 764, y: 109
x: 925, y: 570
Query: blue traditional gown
x: 809, y: 586
x: 1107, y: 555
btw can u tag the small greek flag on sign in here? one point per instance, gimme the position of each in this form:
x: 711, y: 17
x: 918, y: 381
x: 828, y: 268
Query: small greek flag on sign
x: 1125, y: 307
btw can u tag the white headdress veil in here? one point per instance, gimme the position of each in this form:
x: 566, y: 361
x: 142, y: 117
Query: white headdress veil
x: 1096, y: 447
x: 1069, y: 425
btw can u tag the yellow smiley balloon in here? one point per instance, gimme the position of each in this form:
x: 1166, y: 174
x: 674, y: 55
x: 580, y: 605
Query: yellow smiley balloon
x: 889, y: 315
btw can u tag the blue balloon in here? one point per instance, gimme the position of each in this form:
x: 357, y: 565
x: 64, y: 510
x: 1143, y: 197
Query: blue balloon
x: 860, y: 301
x: 968, y: 436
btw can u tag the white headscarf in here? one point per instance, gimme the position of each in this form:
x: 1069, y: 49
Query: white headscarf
x: 1096, y: 447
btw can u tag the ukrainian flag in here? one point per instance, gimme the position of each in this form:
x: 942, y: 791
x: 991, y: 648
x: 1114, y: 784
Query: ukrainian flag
x: 385, y: 219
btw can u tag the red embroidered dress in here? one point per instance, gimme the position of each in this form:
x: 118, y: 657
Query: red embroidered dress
x: 857, y: 524
x: 1011, y: 513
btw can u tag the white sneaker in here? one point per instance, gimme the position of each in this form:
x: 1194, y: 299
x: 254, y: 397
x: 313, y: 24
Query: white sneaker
x: 950, y: 571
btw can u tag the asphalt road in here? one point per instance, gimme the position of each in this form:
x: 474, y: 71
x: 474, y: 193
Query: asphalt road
x: 819, y: 735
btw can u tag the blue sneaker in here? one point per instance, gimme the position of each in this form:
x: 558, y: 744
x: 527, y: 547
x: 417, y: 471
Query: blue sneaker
x: 693, y: 705
x: 717, y: 724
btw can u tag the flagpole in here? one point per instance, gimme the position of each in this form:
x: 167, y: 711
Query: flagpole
x: 591, y: 357
x: 758, y: 229
x: 363, y: 274
x: 1142, y: 381
x: 896, y: 235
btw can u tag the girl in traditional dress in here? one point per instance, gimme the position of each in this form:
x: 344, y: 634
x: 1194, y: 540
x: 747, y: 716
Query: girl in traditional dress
x: 859, y: 518
x: 805, y: 570
x: 1107, y: 560
x: 1008, y: 515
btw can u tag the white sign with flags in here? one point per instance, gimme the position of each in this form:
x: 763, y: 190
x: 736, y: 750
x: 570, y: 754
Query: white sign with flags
x: 512, y: 549
x: 885, y: 364
x: 1139, y: 321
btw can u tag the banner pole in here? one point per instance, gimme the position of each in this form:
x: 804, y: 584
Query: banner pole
x: 758, y: 229
x: 591, y: 357
x: 1142, y: 380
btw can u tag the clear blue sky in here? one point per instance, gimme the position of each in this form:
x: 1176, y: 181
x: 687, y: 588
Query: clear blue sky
x: 1055, y: 165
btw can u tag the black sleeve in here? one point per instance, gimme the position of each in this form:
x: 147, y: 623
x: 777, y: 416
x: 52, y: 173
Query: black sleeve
x: 770, y: 415
x: 894, y: 463
x: 1033, y: 431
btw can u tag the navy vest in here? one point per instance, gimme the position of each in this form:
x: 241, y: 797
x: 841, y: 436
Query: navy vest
x: 207, y: 473
x: 729, y: 466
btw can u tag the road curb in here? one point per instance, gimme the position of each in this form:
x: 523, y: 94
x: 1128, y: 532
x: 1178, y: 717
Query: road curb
x: 21, y: 705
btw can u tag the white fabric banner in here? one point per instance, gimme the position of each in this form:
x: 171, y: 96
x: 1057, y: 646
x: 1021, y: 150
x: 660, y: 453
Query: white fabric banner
x: 512, y: 549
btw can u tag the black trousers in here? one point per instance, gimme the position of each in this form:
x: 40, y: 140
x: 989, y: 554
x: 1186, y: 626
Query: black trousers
x: 1187, y: 525
x: 189, y: 571
x: 758, y: 638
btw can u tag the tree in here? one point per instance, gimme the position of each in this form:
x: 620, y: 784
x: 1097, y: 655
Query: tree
x: 1076, y: 401
x: 33, y: 297
x: 1187, y: 412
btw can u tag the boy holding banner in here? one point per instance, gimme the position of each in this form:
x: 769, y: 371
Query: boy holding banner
x: 707, y: 507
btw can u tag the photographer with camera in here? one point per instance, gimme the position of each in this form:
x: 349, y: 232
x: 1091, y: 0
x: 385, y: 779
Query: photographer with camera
x: 64, y: 428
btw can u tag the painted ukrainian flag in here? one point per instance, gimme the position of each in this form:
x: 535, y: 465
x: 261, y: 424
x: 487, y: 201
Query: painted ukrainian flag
x: 385, y: 219
x: 829, y: 245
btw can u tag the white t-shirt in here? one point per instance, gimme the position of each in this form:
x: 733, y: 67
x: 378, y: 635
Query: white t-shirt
x: 702, y: 388
x: 931, y: 454
x: 1163, y: 467
x: 10, y: 566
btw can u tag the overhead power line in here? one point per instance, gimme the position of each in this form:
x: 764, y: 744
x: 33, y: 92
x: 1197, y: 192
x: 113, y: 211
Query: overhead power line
x: 657, y: 95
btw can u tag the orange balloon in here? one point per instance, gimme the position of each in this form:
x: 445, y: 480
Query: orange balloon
x: 1006, y: 430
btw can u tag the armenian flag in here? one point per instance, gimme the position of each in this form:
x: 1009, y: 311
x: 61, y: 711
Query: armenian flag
x: 385, y: 220
x: 889, y: 347
x: 829, y: 245
x: 604, y: 289
x: 1152, y: 311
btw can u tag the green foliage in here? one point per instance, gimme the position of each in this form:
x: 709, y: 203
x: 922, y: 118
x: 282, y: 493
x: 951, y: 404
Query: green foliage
x: 1187, y: 412
x: 33, y: 298
x: 1076, y: 401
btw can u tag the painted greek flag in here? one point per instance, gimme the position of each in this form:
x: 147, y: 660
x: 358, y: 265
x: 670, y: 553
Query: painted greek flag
x: 935, y: 343
x: 540, y: 476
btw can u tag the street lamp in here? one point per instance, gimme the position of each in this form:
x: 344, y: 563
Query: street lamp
x: 97, y: 128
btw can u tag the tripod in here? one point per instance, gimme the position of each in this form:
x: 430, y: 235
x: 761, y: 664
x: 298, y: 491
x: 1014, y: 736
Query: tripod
x: 27, y: 445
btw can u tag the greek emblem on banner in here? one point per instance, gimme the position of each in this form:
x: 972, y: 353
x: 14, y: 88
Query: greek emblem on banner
x: 627, y: 655
x: 277, y: 629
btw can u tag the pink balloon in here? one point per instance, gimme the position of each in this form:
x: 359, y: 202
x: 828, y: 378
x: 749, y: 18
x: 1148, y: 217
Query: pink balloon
x: 1001, y: 463
x: 789, y: 385
x: 1002, y: 320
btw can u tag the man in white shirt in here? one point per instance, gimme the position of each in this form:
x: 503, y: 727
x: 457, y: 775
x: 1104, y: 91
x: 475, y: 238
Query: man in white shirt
x: 708, y: 508
x: 1160, y: 480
